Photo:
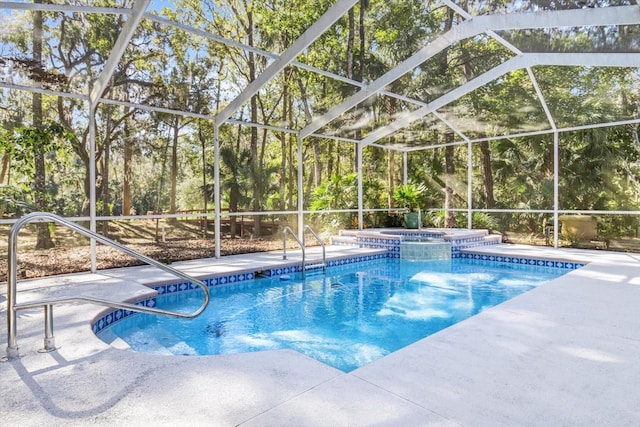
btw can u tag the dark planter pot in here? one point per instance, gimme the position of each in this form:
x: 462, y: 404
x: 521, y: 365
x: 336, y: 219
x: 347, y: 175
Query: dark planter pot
x: 411, y: 220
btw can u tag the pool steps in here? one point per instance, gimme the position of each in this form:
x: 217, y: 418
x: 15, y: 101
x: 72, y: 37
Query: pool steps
x: 312, y: 265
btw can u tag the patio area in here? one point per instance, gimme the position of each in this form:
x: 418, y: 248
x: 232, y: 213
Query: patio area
x: 182, y: 127
x: 564, y: 353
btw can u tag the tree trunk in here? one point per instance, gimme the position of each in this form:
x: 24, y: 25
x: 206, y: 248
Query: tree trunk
x: 163, y: 170
x: 283, y: 149
x: 234, y: 194
x: 127, y: 172
x: 105, y: 185
x: 450, y: 217
x: 350, y: 40
x: 43, y: 240
x: 317, y: 165
x: 360, y: 76
x: 81, y: 149
x: 390, y: 106
x: 337, y: 152
x: 547, y: 166
x: 450, y: 175
x: 205, y: 195
x: 390, y: 182
x: 487, y: 175
x: 174, y: 165
x: 331, y: 147
x: 4, y: 174
x: 5, y: 168
x: 361, y: 29
x: 292, y: 170
x: 257, y: 197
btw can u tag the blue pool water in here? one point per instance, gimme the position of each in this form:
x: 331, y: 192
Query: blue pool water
x: 346, y: 318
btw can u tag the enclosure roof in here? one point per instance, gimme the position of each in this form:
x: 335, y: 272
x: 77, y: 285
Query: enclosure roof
x: 422, y: 73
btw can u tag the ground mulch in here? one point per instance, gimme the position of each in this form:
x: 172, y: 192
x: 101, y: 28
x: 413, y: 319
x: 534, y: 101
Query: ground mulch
x: 63, y: 260
x: 72, y: 255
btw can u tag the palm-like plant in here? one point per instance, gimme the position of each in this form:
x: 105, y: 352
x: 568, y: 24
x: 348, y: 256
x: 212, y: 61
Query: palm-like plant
x: 409, y: 196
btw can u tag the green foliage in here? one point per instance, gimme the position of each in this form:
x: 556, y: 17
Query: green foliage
x: 341, y: 192
x: 409, y: 196
x: 484, y: 220
x: 12, y: 202
x: 235, y: 180
x: 100, y: 207
x: 615, y: 226
x: 22, y: 144
x: 437, y: 219
x: 20, y: 147
x: 172, y: 68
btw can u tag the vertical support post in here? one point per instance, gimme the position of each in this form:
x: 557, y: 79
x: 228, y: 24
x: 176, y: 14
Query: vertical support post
x: 405, y: 167
x: 92, y: 180
x: 216, y: 184
x: 284, y: 244
x: 556, y: 186
x: 469, y: 186
x: 49, y: 339
x: 13, y: 351
x: 360, y: 192
x: 300, y: 188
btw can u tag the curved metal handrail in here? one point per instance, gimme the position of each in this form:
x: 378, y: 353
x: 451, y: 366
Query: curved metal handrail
x: 288, y: 229
x: 319, y: 240
x: 13, y: 307
x: 284, y: 243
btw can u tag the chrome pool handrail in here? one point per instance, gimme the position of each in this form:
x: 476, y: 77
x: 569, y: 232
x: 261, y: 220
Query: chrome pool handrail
x: 319, y: 240
x: 284, y: 243
x: 289, y: 230
x: 49, y: 340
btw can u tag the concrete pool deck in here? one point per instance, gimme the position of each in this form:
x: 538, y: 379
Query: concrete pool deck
x: 565, y: 353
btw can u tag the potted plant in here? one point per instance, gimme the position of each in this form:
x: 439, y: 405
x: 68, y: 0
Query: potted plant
x: 408, y: 197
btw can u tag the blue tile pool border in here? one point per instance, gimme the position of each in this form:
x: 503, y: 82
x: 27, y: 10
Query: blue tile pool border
x: 523, y: 260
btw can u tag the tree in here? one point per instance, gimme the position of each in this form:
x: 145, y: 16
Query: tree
x: 37, y: 140
x: 23, y: 147
x: 237, y: 162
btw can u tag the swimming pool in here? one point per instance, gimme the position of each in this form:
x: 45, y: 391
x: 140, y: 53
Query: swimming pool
x: 346, y: 318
